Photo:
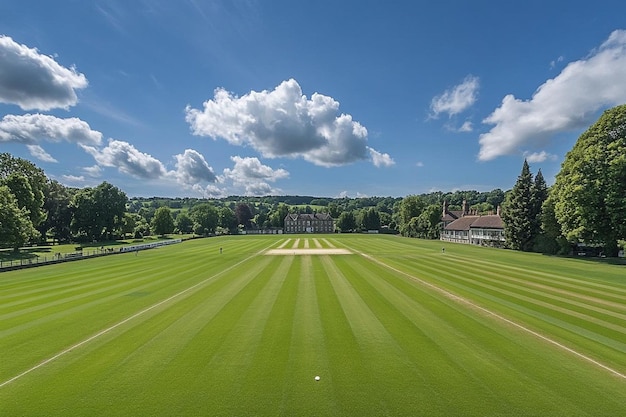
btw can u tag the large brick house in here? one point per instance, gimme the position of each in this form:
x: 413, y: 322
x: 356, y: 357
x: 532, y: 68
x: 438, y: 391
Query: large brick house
x: 463, y: 226
x: 309, y: 223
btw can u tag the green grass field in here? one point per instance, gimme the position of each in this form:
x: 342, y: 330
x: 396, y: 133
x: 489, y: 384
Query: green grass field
x: 397, y: 327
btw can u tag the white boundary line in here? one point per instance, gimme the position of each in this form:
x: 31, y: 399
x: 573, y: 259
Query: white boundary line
x: 498, y: 316
x: 126, y: 320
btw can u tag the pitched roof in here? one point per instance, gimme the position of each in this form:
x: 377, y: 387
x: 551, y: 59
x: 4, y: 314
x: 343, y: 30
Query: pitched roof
x: 452, y: 215
x: 306, y: 216
x: 464, y: 223
x: 491, y: 221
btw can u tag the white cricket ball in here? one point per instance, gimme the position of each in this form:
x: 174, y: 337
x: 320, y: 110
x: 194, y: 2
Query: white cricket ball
x: 317, y: 378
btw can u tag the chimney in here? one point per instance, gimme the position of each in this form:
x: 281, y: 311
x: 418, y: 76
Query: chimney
x: 445, y: 208
x: 464, y: 208
x: 499, y: 211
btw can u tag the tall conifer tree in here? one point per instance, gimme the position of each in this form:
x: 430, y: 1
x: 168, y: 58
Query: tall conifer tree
x: 517, y: 212
x: 538, y: 197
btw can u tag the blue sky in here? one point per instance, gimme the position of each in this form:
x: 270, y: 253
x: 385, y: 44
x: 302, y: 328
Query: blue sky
x: 325, y: 98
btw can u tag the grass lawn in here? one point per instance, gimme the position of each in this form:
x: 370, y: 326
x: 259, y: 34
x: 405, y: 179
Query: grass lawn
x: 397, y: 327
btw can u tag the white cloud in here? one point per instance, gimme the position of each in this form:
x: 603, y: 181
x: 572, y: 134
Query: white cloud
x: 251, y: 174
x: 35, y: 81
x: 419, y: 164
x: 283, y: 123
x: 568, y: 101
x: 380, y: 159
x: 556, y: 61
x: 466, y: 127
x: 73, y: 179
x: 39, y: 153
x: 93, y: 171
x: 260, y: 188
x: 539, y: 157
x: 246, y: 169
x: 456, y: 99
x: 33, y: 128
x: 127, y: 159
x: 192, y: 168
x: 210, y: 191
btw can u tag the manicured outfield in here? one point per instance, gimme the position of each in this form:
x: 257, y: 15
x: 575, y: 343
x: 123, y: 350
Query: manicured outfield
x: 396, y: 327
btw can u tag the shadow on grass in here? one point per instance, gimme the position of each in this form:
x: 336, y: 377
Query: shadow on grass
x: 23, y: 254
x: 595, y: 259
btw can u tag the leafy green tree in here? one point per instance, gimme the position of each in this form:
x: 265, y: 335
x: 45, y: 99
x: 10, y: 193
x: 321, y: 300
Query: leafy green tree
x: 112, y: 206
x: 16, y: 227
x: 205, y: 218
x: 58, y: 214
x: 385, y: 218
x: 346, y: 222
x: 227, y: 219
x: 370, y: 219
x: 428, y: 222
x: 162, y: 222
x: 334, y: 210
x: 10, y: 166
x: 277, y: 217
x: 495, y: 197
x: 98, y: 211
x: 184, y: 223
x: 517, y: 212
x: 243, y: 214
x: 590, y: 190
x: 551, y: 240
x: 410, y: 207
x: 85, y: 222
x: 142, y: 228
x: 261, y: 220
x: 129, y: 223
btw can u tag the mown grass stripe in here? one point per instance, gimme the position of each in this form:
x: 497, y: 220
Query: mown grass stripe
x: 116, y: 325
x: 463, y: 300
x: 593, y: 329
x: 547, y: 298
x: 308, y: 352
x: 556, y: 281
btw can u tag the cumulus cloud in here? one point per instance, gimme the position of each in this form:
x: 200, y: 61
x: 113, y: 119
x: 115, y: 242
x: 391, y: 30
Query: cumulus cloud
x: 127, y: 159
x: 283, y: 123
x: 210, y: 191
x: 539, y: 156
x: 93, y: 171
x: 251, y: 174
x: 39, y: 153
x: 35, y: 81
x: 568, y: 101
x: 32, y: 128
x: 73, y: 179
x: 192, y: 168
x: 380, y: 159
x: 456, y: 99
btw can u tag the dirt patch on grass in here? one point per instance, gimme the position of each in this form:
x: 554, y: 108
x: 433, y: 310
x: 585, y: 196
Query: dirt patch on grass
x: 309, y: 251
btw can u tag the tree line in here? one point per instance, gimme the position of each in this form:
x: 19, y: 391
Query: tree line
x: 35, y: 209
x: 587, y: 204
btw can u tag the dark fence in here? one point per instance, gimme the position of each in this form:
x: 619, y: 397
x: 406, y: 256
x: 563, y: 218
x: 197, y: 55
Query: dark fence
x: 78, y: 255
